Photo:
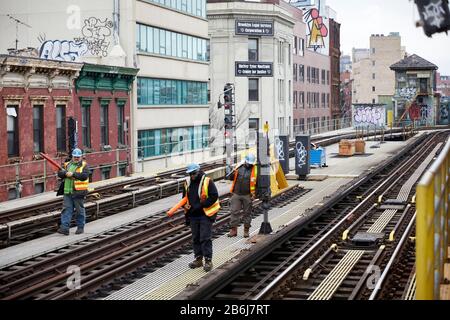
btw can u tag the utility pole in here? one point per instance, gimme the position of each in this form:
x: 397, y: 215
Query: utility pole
x: 264, y: 192
x: 17, y: 21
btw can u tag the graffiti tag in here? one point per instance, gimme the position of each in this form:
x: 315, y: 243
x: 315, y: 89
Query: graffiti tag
x: 406, y: 93
x: 279, y: 144
x: 302, y: 153
x: 364, y: 116
x: 62, y: 50
x: 95, y: 33
x: 434, y: 13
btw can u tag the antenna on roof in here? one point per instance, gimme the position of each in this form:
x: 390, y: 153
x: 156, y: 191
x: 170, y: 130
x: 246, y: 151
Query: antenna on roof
x: 17, y: 21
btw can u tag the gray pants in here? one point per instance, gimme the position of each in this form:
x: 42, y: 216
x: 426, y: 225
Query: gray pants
x: 239, y: 203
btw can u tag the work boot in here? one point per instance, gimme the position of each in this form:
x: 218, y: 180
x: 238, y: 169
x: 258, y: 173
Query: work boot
x: 246, y: 232
x: 233, y: 232
x: 208, y: 265
x: 63, y: 231
x: 79, y: 231
x: 197, y: 263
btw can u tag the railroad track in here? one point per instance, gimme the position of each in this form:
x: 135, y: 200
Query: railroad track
x: 328, y: 254
x: 38, y: 220
x: 114, y: 258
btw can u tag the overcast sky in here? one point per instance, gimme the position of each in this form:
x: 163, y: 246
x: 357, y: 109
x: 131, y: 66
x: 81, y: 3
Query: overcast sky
x: 361, y: 18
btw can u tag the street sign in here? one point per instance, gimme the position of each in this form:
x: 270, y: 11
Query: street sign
x: 254, y: 28
x: 254, y: 69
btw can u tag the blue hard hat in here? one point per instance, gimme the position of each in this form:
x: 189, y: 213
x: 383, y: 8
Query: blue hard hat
x: 77, y: 153
x: 250, y: 159
x: 192, y: 168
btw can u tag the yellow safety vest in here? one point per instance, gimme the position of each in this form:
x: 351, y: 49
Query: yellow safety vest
x: 203, y: 195
x: 79, y: 185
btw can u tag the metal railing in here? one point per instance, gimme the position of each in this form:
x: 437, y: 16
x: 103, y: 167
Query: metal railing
x: 433, y: 223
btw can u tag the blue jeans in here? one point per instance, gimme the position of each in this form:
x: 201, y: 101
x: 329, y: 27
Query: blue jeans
x: 66, y: 215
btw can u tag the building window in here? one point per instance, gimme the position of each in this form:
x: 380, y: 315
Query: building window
x: 295, y: 99
x: 171, y: 92
x: 253, y: 50
x: 253, y: 89
x: 323, y: 76
x: 86, y: 124
x: 281, y: 90
x: 61, y: 128
x: 301, y: 49
x: 39, y: 188
x: 301, y: 73
x: 373, y: 63
x: 122, y: 170
x: 160, y: 41
x: 302, y: 100
x: 295, y: 45
x: 373, y: 101
x: 12, y: 131
x: 295, y: 72
x: 328, y: 77
x: 12, y: 194
x: 193, y: 7
x: 158, y: 142
x: 290, y: 91
x: 308, y: 75
x: 38, y: 128
x: 289, y: 54
x: 104, y: 132
x: 106, y: 173
x: 373, y: 76
x: 120, y: 123
x: 281, y: 52
x: 373, y: 50
x: 373, y: 89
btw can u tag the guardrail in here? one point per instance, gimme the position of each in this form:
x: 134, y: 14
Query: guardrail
x: 433, y: 226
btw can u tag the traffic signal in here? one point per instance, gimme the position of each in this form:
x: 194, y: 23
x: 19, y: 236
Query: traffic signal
x: 228, y: 122
x: 434, y: 16
x: 228, y: 96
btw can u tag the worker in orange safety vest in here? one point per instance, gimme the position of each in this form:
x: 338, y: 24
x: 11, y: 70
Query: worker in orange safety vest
x: 244, y: 192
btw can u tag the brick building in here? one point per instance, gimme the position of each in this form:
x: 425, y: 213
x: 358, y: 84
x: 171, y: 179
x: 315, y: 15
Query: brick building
x: 38, y: 97
x: 335, y: 59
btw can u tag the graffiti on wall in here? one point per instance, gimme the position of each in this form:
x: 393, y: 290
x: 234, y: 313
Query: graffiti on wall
x: 443, y: 114
x: 94, y: 40
x: 318, y: 31
x: 95, y: 33
x: 426, y: 113
x: 301, y: 154
x: 368, y: 116
x: 62, y: 50
x: 406, y: 93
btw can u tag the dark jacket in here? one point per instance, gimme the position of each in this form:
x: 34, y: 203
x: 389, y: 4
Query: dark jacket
x: 84, y: 175
x: 196, y: 209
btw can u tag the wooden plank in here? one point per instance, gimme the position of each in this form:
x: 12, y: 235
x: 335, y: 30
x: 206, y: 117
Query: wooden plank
x: 445, y: 292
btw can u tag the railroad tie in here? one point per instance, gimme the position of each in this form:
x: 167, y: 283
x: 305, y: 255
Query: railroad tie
x: 403, y: 195
x: 334, y: 279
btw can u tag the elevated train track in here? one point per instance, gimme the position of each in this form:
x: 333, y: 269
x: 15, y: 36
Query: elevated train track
x: 27, y: 223
x: 335, y: 252
x: 112, y: 259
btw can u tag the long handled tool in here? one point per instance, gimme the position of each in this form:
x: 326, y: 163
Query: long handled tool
x: 54, y: 164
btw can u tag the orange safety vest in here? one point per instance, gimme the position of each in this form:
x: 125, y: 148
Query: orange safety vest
x: 79, y: 185
x: 253, y: 177
x: 203, y: 195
